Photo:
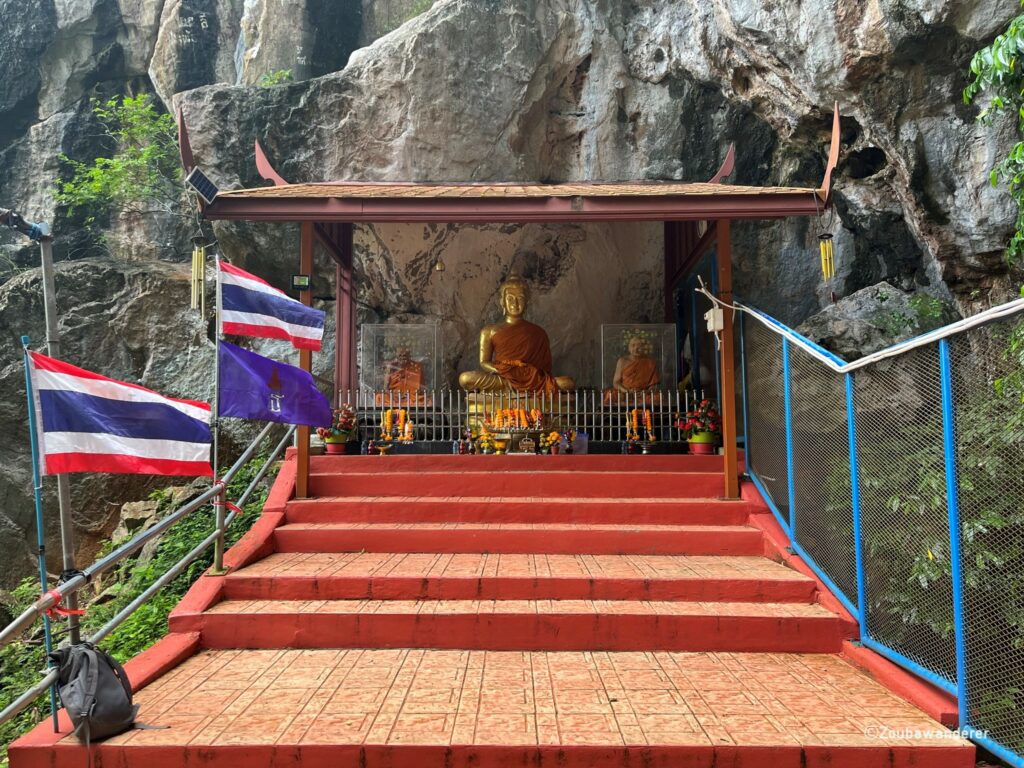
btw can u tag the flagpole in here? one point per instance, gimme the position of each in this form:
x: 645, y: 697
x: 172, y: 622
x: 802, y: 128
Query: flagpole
x: 219, y: 503
x: 37, y: 487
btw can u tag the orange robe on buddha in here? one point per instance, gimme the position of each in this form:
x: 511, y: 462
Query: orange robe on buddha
x: 641, y: 373
x: 521, y: 354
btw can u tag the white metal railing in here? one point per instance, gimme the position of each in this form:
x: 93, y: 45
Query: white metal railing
x: 445, y: 415
x: 216, y: 538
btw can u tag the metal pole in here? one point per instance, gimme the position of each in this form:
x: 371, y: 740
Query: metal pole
x: 788, y: 398
x: 219, y: 503
x: 953, y: 506
x: 67, y: 531
x: 858, y: 540
x: 37, y: 489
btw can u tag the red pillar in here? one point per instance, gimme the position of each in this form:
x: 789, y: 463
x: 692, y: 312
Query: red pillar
x: 728, y: 404
x: 344, y: 316
x: 305, y: 359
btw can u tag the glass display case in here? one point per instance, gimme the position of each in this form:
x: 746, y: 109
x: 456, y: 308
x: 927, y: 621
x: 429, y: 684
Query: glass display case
x: 400, y: 360
x: 638, y: 358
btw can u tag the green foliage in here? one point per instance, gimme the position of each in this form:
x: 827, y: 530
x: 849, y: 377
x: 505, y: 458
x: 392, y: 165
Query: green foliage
x: 277, y: 77
x: 907, y: 550
x: 996, y: 71
x: 142, y: 173
x: 22, y: 663
x: 418, y: 8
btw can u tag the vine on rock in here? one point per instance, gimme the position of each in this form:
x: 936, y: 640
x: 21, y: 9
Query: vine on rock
x: 997, y: 70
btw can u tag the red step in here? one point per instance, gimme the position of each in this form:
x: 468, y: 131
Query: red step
x: 516, y: 539
x: 618, y: 463
x: 544, y: 625
x: 416, y: 509
x: 562, y: 484
x: 388, y: 576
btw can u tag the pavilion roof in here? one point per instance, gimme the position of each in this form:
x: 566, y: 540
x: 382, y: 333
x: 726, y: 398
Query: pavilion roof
x: 440, y: 202
x: 571, y: 201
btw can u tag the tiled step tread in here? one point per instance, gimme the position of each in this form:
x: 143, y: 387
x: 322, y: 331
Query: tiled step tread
x: 521, y: 607
x: 403, y: 697
x: 479, y: 565
x: 549, y: 527
x: 627, y: 498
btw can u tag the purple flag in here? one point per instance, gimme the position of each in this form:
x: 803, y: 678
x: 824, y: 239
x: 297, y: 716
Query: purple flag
x: 256, y: 387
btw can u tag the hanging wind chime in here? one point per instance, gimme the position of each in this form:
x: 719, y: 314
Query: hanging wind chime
x: 828, y: 259
x: 198, y: 275
x: 826, y: 252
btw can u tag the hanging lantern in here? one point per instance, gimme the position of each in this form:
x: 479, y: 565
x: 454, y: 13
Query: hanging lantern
x: 439, y: 265
x: 198, y: 274
x: 828, y: 260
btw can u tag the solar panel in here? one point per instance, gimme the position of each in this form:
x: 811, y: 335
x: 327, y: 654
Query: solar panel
x: 202, y: 185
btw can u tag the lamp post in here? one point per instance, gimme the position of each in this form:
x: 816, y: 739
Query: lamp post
x: 40, y: 232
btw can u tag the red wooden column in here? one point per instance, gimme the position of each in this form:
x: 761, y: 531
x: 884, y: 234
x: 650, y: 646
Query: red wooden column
x: 344, y: 316
x: 728, y: 404
x: 306, y: 241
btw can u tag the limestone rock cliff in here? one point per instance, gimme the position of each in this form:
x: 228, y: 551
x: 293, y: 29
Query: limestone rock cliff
x: 493, y: 90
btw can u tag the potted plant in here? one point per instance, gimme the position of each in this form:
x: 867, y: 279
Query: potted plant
x: 702, y: 427
x: 485, y: 443
x: 549, y: 442
x: 344, y: 428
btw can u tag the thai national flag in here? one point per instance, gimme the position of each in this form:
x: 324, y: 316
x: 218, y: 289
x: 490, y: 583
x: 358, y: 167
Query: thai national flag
x: 89, y: 423
x: 252, y: 307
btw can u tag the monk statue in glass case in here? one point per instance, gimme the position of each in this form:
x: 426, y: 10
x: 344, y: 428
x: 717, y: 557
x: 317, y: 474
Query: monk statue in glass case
x: 403, y: 374
x: 637, y: 370
x: 515, y: 354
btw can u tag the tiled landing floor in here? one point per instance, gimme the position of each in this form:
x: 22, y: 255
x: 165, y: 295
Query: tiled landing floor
x: 432, y: 565
x: 435, y: 697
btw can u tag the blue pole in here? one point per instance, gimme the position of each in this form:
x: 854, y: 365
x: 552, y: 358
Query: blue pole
x: 37, y: 486
x: 953, y: 505
x: 790, y: 480
x: 743, y: 384
x: 858, y: 542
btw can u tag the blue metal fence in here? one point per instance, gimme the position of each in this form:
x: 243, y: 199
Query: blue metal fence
x: 900, y: 481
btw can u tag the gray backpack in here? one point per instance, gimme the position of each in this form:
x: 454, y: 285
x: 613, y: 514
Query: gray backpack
x: 95, y: 691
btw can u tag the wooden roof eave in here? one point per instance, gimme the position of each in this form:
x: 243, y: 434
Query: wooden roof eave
x: 513, y: 210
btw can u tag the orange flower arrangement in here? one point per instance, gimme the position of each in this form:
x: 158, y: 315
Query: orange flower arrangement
x: 633, y: 426
x: 516, y: 418
x: 388, y: 423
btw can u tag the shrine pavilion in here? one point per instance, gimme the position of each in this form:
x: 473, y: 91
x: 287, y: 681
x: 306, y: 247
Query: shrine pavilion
x: 696, y: 217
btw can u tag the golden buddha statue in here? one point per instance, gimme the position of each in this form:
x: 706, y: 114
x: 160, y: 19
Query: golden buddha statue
x: 515, y: 353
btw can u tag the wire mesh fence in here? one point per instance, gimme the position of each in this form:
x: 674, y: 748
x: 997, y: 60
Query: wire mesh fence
x: 766, y: 429
x: 934, y: 442
x: 988, y: 398
x: 904, y: 511
x: 821, y: 470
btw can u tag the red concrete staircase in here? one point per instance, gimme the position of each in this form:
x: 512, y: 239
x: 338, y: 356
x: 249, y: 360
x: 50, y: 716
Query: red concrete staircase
x: 514, y: 611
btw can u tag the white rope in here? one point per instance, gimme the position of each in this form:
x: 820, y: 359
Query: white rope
x: 989, y: 315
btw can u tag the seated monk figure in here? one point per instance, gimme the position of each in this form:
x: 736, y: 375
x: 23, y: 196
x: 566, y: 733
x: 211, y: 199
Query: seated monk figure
x: 403, y: 373
x: 637, y: 370
x: 515, y: 353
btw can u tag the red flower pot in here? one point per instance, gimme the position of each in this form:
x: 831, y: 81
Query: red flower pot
x: 703, y: 449
x: 336, y: 448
